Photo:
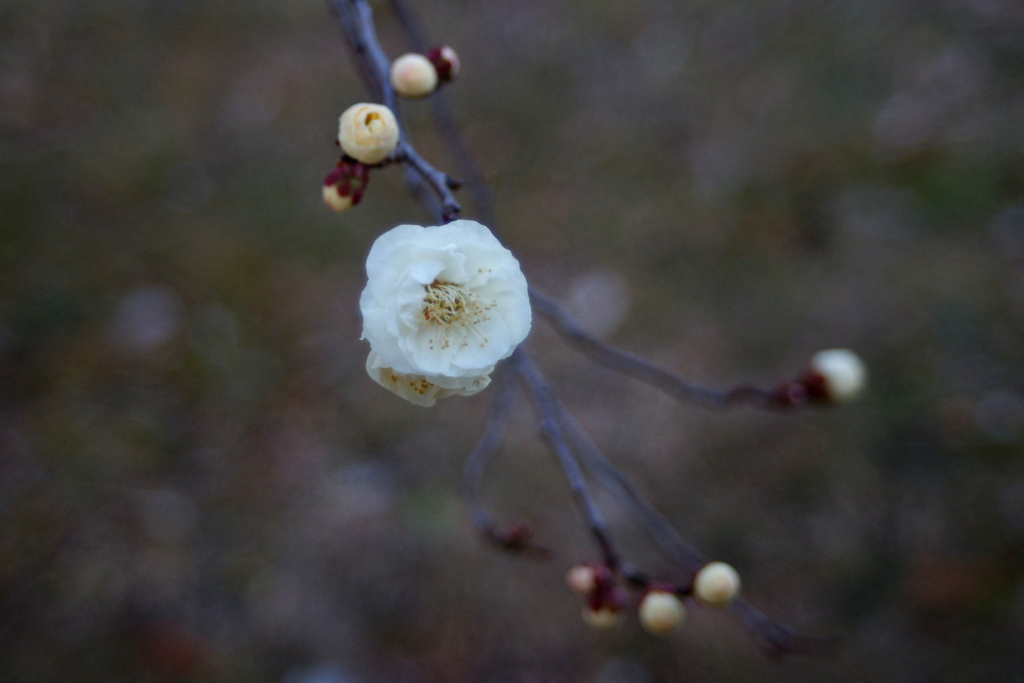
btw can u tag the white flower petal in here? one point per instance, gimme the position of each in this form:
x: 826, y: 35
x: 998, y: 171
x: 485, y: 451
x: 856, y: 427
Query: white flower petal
x: 441, y: 306
x: 420, y: 389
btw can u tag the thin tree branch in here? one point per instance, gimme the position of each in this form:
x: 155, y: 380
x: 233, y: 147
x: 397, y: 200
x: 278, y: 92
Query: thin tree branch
x: 516, y: 538
x: 442, y: 183
x: 356, y: 20
x: 551, y: 427
x: 776, y: 638
x: 649, y: 373
x: 476, y: 185
x: 618, y: 484
x: 413, y: 26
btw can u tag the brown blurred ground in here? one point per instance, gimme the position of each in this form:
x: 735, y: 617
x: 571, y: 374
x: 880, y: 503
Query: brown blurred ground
x: 199, y: 482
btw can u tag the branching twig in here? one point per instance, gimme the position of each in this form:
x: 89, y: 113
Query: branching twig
x: 544, y: 402
x: 563, y: 434
x: 442, y: 183
x: 778, y: 639
x: 618, y: 484
x: 516, y: 538
x: 645, y: 371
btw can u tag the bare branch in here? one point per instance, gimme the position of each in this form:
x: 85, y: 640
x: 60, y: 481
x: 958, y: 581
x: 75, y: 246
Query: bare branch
x: 778, y: 639
x: 645, y: 371
x: 550, y: 425
x: 356, y: 20
x: 412, y: 25
x: 619, y: 485
x: 442, y: 183
x: 517, y: 537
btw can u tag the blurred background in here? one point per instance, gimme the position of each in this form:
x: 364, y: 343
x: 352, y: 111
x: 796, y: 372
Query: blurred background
x: 198, y: 481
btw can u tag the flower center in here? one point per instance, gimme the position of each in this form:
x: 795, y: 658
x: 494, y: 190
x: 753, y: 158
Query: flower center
x: 373, y: 122
x: 447, y: 304
x: 457, y: 310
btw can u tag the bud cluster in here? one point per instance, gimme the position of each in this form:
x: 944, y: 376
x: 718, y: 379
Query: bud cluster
x: 368, y: 133
x: 604, y: 598
x: 661, y: 608
x: 344, y: 186
x: 417, y: 75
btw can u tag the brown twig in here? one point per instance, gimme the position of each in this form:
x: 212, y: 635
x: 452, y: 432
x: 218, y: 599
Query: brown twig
x: 516, y: 538
x: 649, y: 373
x: 551, y: 427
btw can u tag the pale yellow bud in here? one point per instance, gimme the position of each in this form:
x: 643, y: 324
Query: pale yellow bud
x: 843, y: 372
x: 660, y: 612
x: 716, y: 584
x: 412, y: 75
x: 601, y: 619
x: 368, y: 132
x: 333, y: 199
x: 581, y: 579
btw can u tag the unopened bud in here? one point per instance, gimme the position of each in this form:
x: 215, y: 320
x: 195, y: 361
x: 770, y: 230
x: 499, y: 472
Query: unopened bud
x: 716, y: 584
x: 445, y: 61
x: 602, y: 618
x: 412, y: 75
x: 660, y: 612
x: 368, y: 132
x: 837, y: 375
x: 334, y: 200
x: 581, y: 579
x: 344, y: 186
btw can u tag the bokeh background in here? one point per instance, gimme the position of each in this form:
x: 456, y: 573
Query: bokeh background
x: 198, y: 481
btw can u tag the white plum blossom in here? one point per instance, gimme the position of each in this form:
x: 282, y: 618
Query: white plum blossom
x: 441, y: 307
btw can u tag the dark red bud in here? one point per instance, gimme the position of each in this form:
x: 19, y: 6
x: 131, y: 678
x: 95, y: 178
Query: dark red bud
x: 447, y: 69
x: 816, y: 386
x: 334, y: 176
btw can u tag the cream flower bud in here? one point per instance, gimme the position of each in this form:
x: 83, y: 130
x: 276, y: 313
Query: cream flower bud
x: 344, y: 185
x: 660, y: 612
x: 368, y: 132
x: 412, y: 75
x: 335, y: 200
x: 602, y: 618
x: 581, y: 579
x: 716, y: 584
x: 843, y: 373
